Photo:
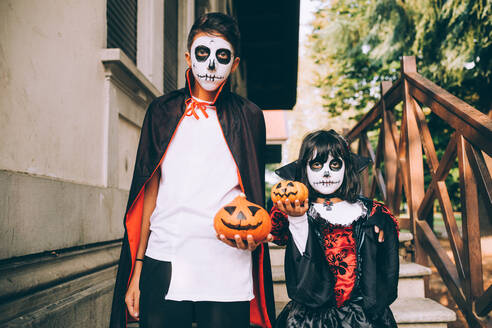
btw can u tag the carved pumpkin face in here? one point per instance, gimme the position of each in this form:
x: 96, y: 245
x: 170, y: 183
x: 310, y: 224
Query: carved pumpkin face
x: 292, y: 190
x: 243, y: 218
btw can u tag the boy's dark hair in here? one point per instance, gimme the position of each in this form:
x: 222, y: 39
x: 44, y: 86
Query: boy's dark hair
x: 217, y: 23
x: 326, y: 143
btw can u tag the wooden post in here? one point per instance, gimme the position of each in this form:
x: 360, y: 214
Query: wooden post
x: 472, y: 252
x: 390, y: 157
x: 399, y: 174
x: 415, y: 167
x: 363, y: 151
x: 379, y: 181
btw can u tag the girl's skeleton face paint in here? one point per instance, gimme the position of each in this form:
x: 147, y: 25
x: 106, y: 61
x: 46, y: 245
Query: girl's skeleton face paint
x: 326, y: 177
x: 211, y: 60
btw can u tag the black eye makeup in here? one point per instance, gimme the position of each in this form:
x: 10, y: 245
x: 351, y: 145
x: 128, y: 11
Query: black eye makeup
x: 223, y: 56
x: 315, y: 165
x: 202, y: 53
x: 336, y: 164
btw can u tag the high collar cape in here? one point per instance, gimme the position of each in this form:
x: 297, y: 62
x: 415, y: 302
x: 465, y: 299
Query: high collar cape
x: 243, y: 127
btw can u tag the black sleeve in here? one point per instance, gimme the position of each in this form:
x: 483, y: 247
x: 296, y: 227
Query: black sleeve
x: 389, y: 263
x: 387, y: 252
x: 380, y: 264
x: 308, y: 277
x: 382, y: 217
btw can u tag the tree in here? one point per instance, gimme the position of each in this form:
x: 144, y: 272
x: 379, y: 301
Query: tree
x: 358, y: 43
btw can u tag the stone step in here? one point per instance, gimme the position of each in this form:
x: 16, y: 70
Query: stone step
x: 280, y: 292
x: 411, y: 282
x: 421, y: 312
x: 277, y: 254
x: 404, y: 236
x: 279, y: 306
x: 278, y: 274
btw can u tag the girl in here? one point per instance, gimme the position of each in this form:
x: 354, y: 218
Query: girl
x: 337, y: 273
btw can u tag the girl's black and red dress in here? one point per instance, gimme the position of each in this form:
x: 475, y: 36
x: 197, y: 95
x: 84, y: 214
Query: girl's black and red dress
x: 345, y: 277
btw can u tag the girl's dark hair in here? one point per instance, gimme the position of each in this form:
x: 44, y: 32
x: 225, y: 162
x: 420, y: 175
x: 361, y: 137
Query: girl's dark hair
x: 217, y: 23
x: 324, y: 143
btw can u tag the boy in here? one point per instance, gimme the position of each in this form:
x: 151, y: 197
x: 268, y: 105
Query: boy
x: 199, y: 148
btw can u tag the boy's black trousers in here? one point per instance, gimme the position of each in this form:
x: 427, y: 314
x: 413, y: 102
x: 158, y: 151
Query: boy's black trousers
x: 156, y: 312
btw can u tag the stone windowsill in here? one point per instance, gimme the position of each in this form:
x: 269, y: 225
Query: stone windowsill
x: 124, y: 73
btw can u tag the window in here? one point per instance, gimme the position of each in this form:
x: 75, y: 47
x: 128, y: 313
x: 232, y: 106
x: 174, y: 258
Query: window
x: 122, y: 26
x: 170, y: 45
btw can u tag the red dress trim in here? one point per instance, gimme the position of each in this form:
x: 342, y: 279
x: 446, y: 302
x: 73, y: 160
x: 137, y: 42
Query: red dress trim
x: 341, y: 256
x: 280, y: 226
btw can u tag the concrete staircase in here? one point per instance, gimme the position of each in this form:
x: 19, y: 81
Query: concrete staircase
x: 411, y: 309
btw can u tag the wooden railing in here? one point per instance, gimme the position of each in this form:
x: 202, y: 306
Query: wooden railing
x: 398, y: 171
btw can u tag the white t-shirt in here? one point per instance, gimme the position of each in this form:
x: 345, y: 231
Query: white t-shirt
x: 198, y: 177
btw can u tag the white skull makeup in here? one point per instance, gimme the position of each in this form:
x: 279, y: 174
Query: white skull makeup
x: 211, y: 60
x: 326, y: 177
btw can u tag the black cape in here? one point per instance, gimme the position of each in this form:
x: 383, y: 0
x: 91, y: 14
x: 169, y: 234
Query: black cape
x: 243, y: 126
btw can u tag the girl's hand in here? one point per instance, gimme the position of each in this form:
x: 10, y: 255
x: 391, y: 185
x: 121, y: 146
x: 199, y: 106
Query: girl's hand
x: 239, y: 243
x: 293, y: 209
x: 132, y: 297
x: 380, y: 233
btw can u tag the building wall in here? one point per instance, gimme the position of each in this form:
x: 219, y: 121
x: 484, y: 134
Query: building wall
x: 70, y: 118
x: 52, y: 123
x: 55, y: 129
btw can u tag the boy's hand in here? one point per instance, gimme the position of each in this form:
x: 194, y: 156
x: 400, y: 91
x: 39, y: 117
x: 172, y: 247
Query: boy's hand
x: 293, y: 209
x: 239, y: 243
x: 132, y: 297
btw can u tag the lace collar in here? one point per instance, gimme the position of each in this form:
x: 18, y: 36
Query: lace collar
x: 341, y: 214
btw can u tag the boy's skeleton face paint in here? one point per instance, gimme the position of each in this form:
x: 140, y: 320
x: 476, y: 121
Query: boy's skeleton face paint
x: 326, y: 177
x: 211, y: 60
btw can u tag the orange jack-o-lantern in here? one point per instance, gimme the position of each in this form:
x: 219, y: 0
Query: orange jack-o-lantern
x: 243, y: 218
x: 292, y: 190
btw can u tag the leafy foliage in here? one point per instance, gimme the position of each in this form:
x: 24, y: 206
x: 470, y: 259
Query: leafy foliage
x: 358, y: 43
